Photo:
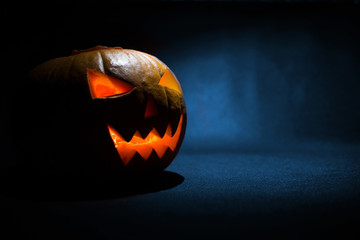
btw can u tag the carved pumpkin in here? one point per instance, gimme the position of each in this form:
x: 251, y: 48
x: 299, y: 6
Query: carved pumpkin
x: 108, y: 108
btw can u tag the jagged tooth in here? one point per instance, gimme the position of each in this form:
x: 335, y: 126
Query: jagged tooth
x: 128, y: 133
x: 136, y: 164
x: 160, y: 150
x: 167, y: 158
x: 145, y: 129
x: 145, y: 152
x: 152, y: 164
x: 161, y: 128
x: 174, y: 122
x: 126, y: 158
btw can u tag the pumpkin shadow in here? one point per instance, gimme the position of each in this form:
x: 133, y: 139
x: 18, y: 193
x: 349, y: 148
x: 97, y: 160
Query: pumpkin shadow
x: 24, y: 184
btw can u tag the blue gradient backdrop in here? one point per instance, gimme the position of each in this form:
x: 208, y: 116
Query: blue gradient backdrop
x: 269, y: 82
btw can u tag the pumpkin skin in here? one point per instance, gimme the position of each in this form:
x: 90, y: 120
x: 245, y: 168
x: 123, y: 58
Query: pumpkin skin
x: 105, y: 109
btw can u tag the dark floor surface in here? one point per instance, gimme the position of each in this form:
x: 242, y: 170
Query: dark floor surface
x: 308, y: 193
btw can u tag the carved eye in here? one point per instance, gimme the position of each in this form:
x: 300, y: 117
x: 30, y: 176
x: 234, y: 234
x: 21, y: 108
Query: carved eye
x: 102, y: 85
x: 169, y: 80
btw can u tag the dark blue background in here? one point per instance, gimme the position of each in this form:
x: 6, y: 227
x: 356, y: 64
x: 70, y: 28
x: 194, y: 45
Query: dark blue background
x: 272, y: 93
x: 268, y: 77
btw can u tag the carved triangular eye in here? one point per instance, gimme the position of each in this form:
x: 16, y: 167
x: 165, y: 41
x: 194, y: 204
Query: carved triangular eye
x: 102, y: 85
x: 169, y: 80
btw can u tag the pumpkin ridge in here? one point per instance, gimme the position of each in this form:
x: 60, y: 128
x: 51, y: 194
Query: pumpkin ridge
x: 71, y: 64
x: 158, y: 63
x: 101, y: 63
x: 151, y: 61
x: 131, y: 65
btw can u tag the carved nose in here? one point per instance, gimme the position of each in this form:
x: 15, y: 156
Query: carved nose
x: 151, y: 109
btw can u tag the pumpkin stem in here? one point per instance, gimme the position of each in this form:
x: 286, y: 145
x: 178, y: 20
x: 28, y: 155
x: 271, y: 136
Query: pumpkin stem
x: 98, y: 47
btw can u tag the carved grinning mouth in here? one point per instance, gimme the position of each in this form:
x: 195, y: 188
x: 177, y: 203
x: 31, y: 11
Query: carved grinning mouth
x: 145, y: 140
x: 145, y: 146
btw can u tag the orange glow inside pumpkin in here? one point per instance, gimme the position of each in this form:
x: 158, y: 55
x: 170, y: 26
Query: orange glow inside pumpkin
x: 169, y: 80
x: 145, y: 146
x: 102, y: 85
x: 151, y: 109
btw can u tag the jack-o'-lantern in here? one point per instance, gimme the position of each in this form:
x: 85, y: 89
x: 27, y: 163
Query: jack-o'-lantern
x: 113, y: 107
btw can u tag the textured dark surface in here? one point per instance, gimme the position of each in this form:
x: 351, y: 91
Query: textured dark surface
x: 308, y: 193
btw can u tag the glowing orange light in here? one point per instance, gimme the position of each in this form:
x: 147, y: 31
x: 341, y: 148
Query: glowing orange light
x: 145, y: 146
x: 151, y: 109
x: 169, y: 80
x: 102, y: 85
